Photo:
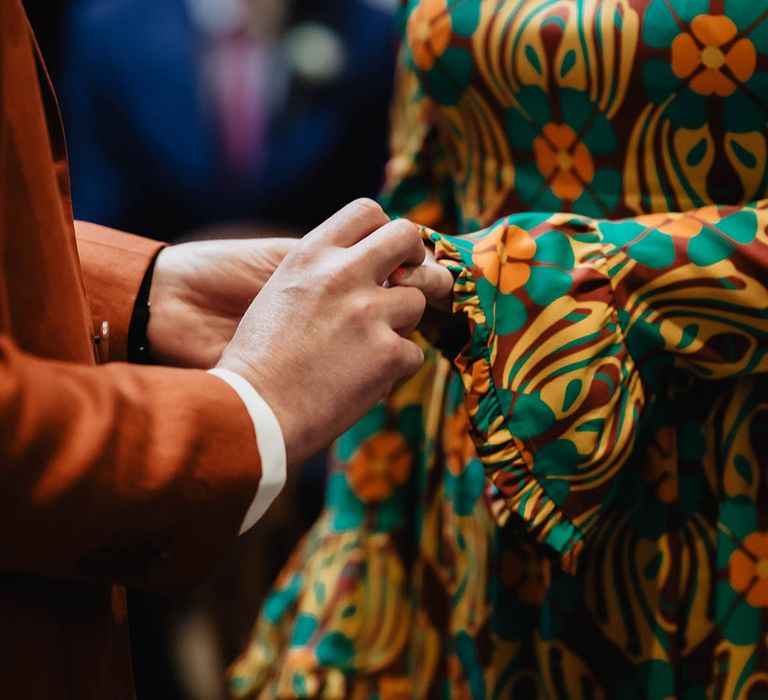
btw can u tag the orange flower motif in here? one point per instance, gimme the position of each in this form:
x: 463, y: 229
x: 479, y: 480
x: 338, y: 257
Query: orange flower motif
x: 748, y: 569
x: 709, y: 56
x: 685, y: 225
x: 563, y: 160
x: 380, y: 465
x: 457, y: 444
x: 429, y: 32
x: 493, y: 253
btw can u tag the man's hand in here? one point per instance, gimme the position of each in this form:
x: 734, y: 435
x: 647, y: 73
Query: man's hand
x: 324, y: 340
x: 200, y: 291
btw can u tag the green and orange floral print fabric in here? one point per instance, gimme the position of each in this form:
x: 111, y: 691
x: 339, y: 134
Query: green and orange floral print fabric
x: 576, y: 504
x: 571, y: 336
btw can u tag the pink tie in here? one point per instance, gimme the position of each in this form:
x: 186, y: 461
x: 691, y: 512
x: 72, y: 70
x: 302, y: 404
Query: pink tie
x: 241, y: 83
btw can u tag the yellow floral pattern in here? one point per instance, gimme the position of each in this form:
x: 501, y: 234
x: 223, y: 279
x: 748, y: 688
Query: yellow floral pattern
x: 583, y: 508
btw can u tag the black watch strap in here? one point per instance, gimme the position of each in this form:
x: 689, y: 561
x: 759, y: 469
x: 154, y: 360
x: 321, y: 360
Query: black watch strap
x: 138, y: 343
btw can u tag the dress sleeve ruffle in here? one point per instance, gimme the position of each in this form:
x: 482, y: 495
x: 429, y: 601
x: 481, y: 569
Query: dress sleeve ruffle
x: 554, y: 397
x: 574, y: 323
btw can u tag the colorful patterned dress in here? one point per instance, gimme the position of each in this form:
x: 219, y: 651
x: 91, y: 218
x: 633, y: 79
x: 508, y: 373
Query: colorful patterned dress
x: 577, y: 505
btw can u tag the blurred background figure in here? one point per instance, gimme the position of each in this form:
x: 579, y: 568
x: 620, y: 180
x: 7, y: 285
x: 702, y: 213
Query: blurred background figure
x: 204, y: 118
x: 183, y: 114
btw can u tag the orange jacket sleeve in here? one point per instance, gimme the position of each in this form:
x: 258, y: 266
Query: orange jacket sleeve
x: 120, y: 472
x: 113, y: 266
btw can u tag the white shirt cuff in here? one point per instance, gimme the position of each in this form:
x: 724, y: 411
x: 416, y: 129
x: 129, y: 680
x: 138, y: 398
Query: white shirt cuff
x: 271, y: 443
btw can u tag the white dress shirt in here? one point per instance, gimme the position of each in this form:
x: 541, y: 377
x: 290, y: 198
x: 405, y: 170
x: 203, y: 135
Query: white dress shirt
x: 271, y: 444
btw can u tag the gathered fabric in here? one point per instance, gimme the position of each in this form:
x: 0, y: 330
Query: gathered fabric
x: 574, y: 505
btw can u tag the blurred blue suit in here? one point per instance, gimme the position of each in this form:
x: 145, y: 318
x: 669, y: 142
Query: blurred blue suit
x: 143, y: 141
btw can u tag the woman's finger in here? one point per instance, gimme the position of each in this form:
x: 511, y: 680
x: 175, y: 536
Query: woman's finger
x: 434, y: 281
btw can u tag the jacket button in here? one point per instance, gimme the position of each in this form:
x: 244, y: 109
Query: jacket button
x: 101, y: 344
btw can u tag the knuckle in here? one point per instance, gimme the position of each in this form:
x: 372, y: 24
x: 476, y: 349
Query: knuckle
x: 367, y: 207
x: 411, y: 230
x: 391, y: 350
x: 363, y: 308
x: 418, y: 355
x: 326, y: 277
x: 406, y: 231
x: 407, y: 236
x: 415, y: 358
x: 415, y: 303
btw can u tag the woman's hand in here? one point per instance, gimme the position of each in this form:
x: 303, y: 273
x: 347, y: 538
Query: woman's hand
x: 439, y: 325
x: 434, y: 280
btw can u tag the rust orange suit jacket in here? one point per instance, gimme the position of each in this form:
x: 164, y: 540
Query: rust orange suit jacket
x: 110, y: 474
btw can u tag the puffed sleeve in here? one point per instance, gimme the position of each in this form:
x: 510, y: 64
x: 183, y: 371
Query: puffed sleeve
x: 418, y: 183
x: 574, y: 323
